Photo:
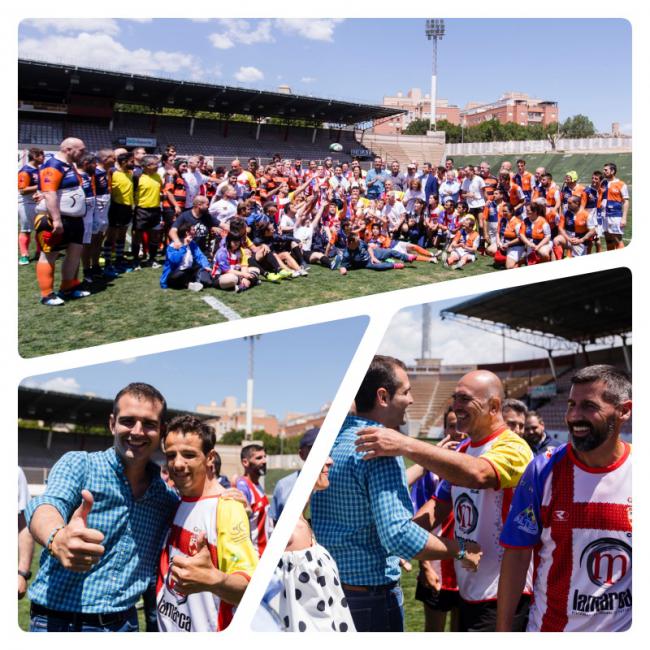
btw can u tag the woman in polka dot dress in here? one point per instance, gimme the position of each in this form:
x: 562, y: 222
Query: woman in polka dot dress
x: 311, y: 598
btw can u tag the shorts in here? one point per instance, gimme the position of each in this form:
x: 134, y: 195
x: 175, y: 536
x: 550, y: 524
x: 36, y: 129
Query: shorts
x: 482, y: 616
x: 492, y: 231
x: 147, y: 219
x: 26, y: 214
x: 100, y: 216
x: 119, y: 215
x: 578, y: 250
x: 461, y: 252
x: 88, y: 219
x: 613, y: 225
x: 441, y: 601
x: 401, y: 247
x: 516, y: 253
x: 73, y: 232
x: 168, y: 217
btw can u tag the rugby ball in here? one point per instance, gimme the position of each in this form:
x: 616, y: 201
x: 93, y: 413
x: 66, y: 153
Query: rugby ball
x: 335, y: 146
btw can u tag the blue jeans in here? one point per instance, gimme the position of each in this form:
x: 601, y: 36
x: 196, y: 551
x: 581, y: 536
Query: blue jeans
x: 43, y: 623
x: 383, y: 254
x: 378, y: 609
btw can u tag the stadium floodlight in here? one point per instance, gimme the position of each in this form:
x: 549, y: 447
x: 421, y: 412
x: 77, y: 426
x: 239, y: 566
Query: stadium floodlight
x: 434, y: 30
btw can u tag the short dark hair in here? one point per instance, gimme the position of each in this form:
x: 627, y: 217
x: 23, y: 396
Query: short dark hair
x: 124, y: 157
x: 598, y: 173
x: 445, y: 417
x: 34, y: 152
x: 186, y: 424
x: 217, y: 463
x: 380, y: 374
x: 142, y: 391
x: 535, y: 414
x: 521, y: 160
x: 611, y: 165
x: 618, y: 383
x: 515, y: 405
x: 249, y: 450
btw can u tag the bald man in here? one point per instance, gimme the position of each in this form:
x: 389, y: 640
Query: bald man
x: 59, y: 223
x: 479, y: 478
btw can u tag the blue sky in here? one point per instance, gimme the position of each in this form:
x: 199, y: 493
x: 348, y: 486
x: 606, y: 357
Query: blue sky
x: 584, y: 64
x: 295, y: 370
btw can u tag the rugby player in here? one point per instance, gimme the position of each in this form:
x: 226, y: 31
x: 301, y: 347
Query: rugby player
x: 59, y: 223
x: 28, y: 197
x: 573, y: 507
x: 617, y: 203
x: 479, y: 478
x: 208, y: 557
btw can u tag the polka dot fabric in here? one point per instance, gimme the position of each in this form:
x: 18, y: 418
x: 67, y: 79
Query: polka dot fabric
x: 312, y: 599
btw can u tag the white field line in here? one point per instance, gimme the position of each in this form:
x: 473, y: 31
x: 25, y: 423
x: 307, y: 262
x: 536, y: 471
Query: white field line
x: 224, y: 310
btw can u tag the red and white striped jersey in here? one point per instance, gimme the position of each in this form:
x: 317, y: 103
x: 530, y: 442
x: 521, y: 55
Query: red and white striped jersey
x: 579, y: 521
x: 261, y: 524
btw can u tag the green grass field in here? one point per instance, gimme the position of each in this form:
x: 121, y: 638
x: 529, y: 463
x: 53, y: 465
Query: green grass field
x: 134, y: 306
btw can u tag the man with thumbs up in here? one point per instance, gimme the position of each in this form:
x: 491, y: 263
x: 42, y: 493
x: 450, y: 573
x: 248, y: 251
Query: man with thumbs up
x: 101, y: 521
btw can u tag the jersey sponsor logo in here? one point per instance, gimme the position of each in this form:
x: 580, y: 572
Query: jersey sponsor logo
x: 526, y: 521
x: 607, y: 560
x: 183, y: 621
x: 465, y: 514
x: 170, y: 584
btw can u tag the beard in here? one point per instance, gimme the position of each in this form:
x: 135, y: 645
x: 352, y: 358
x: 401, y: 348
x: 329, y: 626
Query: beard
x: 595, y: 437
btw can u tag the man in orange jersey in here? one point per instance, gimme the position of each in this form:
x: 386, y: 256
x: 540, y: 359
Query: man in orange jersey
x: 571, y: 187
x: 617, y: 203
x: 59, y: 223
x: 548, y: 190
x: 577, y: 227
x: 524, y: 179
x: 27, y: 198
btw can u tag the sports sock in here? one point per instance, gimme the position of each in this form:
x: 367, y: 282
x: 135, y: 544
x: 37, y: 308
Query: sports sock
x: 23, y: 243
x: 45, y: 277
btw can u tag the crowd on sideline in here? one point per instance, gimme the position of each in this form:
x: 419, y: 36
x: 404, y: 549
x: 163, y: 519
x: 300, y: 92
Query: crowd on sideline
x: 232, y: 228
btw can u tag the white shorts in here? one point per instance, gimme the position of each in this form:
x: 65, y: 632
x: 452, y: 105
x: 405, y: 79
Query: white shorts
x: 516, y: 253
x: 461, y: 252
x: 26, y: 213
x: 613, y: 225
x: 100, y: 215
x: 578, y: 250
x: 492, y: 232
x: 88, y: 219
x: 401, y: 247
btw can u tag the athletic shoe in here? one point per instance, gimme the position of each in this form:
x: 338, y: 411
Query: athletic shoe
x: 136, y: 267
x: 303, y: 272
x: 273, y: 277
x: 457, y: 267
x: 155, y: 265
x: 74, y: 294
x: 110, y: 272
x: 398, y: 265
x: 23, y: 259
x: 434, y: 260
x: 305, y: 268
x: 195, y: 286
x: 296, y: 274
x: 285, y: 273
x: 52, y: 300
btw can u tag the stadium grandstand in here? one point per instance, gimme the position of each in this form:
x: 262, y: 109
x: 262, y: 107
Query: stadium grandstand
x: 223, y: 122
x: 580, y: 321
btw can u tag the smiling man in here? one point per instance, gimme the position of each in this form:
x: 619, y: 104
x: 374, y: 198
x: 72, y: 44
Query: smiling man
x: 101, y: 521
x: 479, y: 479
x: 208, y: 557
x: 574, y: 508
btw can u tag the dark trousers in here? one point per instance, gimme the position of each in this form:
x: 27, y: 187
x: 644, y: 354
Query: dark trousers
x: 482, y: 617
x: 377, y: 609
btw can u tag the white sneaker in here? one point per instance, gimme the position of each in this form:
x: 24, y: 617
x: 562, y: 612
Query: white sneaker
x: 195, y: 286
x: 296, y: 274
x: 303, y: 272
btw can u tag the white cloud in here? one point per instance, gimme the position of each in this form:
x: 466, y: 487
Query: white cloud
x: 452, y: 342
x: 58, y: 384
x: 308, y: 80
x: 103, y: 51
x: 241, y: 32
x: 128, y: 361
x: 63, y: 25
x: 314, y: 29
x: 249, y: 74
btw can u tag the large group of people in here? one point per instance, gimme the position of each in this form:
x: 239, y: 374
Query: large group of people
x: 513, y: 532
x: 230, y: 229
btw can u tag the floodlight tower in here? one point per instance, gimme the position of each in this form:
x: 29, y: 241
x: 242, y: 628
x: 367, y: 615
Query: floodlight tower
x: 435, y: 30
x: 425, y: 352
x: 249, y: 386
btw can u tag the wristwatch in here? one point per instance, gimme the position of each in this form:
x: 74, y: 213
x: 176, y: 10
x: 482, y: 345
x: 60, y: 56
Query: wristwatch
x: 461, y: 549
x: 25, y: 574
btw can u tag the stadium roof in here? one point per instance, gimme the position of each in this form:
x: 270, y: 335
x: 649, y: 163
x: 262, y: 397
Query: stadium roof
x: 580, y: 309
x: 84, y: 410
x: 50, y: 82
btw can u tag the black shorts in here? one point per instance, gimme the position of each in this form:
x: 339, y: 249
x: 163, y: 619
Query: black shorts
x: 482, y: 617
x: 119, y: 215
x: 441, y: 601
x: 73, y: 232
x: 147, y: 219
x: 168, y: 217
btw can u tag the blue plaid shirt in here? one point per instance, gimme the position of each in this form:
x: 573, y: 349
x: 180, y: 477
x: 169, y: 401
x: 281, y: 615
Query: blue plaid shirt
x: 364, y: 517
x: 133, y: 530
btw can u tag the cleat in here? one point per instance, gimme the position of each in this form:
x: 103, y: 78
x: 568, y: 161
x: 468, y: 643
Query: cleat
x: 52, y: 300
